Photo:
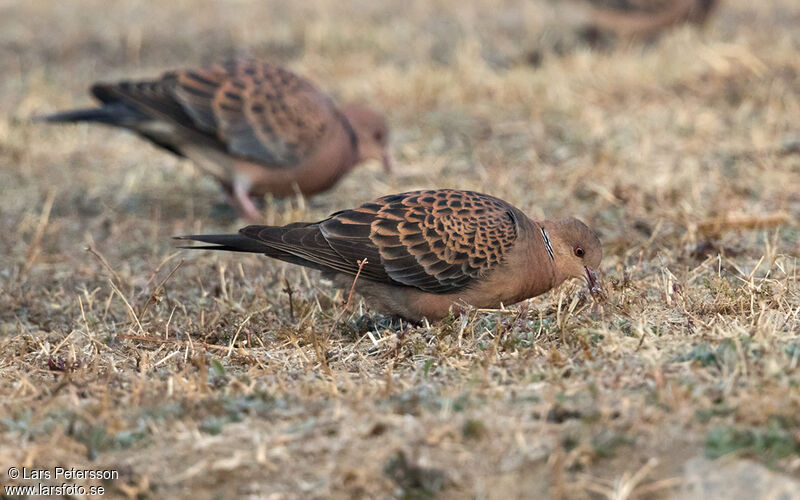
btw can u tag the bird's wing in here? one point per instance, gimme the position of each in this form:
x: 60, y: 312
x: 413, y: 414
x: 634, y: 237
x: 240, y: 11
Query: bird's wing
x: 439, y: 241
x: 255, y: 110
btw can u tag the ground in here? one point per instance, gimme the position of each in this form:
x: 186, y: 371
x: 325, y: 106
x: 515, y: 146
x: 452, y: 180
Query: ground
x: 682, y: 152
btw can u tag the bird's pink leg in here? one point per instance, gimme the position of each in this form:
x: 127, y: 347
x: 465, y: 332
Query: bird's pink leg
x: 242, y: 200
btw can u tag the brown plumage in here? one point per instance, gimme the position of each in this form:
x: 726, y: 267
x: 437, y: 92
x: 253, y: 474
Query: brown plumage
x: 645, y: 18
x: 254, y: 126
x: 428, y: 250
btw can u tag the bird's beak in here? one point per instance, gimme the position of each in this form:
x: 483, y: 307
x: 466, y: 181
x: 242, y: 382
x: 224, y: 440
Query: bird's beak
x: 591, y: 278
x: 386, y: 161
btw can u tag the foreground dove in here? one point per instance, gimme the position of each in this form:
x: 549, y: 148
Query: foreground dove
x: 428, y: 250
x: 255, y: 127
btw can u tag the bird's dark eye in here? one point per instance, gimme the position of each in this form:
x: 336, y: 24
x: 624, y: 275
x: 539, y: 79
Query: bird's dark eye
x: 378, y: 136
x: 579, y: 252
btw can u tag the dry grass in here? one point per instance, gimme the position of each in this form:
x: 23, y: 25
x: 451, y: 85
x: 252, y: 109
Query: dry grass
x: 695, y: 351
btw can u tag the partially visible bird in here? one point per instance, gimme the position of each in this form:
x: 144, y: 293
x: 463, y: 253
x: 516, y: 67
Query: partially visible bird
x: 644, y: 18
x: 426, y: 251
x: 254, y: 126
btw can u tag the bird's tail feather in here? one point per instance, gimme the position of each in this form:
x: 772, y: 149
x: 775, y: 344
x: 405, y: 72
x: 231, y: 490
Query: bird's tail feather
x: 239, y: 243
x: 116, y: 113
x: 229, y: 242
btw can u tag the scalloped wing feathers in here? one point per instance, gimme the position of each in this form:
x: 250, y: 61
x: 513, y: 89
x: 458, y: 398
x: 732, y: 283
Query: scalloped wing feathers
x: 439, y: 241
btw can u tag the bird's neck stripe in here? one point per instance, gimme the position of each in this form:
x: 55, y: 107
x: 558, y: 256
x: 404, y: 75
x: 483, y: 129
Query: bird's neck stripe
x: 547, y: 244
x: 348, y: 127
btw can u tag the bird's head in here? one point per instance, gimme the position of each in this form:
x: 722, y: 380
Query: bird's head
x: 701, y: 10
x: 372, y: 133
x: 577, y: 250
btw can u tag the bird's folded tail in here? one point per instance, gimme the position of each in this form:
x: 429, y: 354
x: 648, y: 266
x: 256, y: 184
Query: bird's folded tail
x: 239, y: 243
x: 229, y: 242
x: 115, y: 113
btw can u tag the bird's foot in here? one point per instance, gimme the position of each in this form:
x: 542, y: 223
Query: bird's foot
x: 241, y: 200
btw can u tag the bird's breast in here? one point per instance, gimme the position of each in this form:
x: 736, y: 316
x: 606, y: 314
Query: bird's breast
x: 326, y: 165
